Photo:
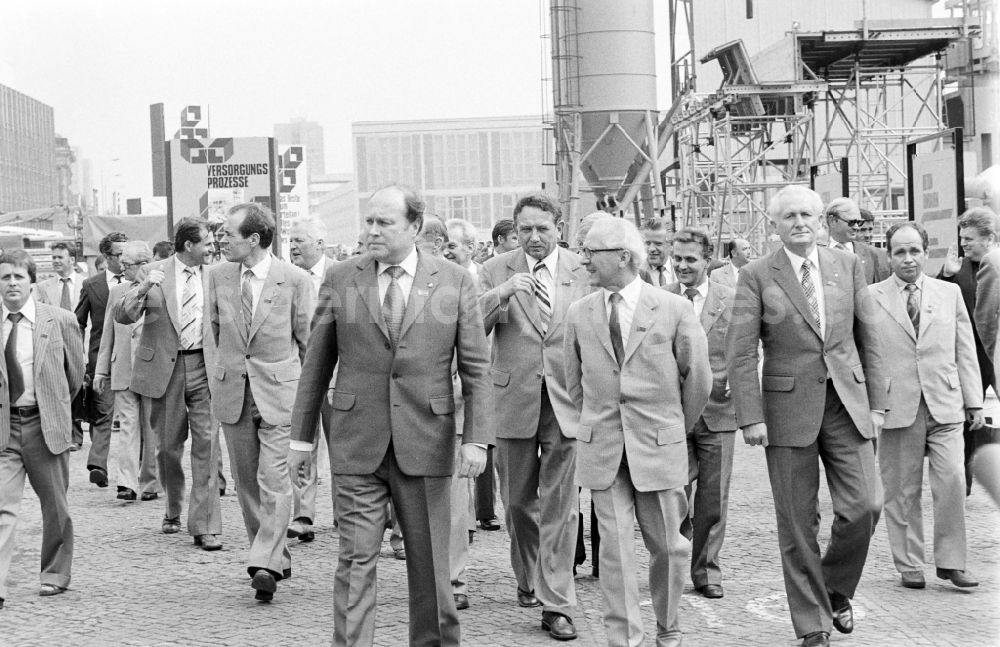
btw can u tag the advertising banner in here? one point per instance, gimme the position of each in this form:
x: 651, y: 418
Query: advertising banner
x: 935, y: 203
x: 293, y: 183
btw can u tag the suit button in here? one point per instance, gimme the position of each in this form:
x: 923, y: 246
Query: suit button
x: 388, y: 346
x: 395, y: 376
x: 821, y: 380
x: 243, y: 376
x: 248, y: 357
x: 622, y: 401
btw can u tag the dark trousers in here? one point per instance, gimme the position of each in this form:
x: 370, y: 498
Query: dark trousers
x: 485, y: 496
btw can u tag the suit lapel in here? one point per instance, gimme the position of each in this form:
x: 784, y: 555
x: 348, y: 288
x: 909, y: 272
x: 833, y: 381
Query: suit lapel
x: 892, y: 302
x: 565, y: 288
x: 784, y: 276
x: 830, y: 275
x: 40, y: 338
x: 232, y: 276
x: 599, y: 319
x: 520, y: 264
x: 366, y: 284
x: 927, y: 301
x: 268, y: 294
x: 424, y: 284
x: 101, y: 291
x: 714, y: 305
x: 169, y: 291
x: 641, y: 320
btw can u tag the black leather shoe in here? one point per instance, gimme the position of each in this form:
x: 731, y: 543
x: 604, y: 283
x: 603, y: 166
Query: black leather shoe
x: 712, y: 591
x: 1, y: 603
x: 527, y: 599
x: 913, y: 579
x: 816, y: 639
x: 461, y: 601
x: 489, y: 524
x: 98, y: 477
x: 264, y: 585
x: 125, y: 494
x: 170, y: 526
x: 957, y: 577
x: 559, y: 626
x: 208, y: 542
x: 149, y: 496
x: 843, y: 614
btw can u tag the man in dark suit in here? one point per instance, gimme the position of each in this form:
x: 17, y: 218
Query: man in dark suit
x: 93, y: 303
x: 170, y: 369
x: 844, y: 221
x: 824, y: 398
x: 711, y: 441
x: 41, y: 371
x: 392, y: 320
x: 978, y: 233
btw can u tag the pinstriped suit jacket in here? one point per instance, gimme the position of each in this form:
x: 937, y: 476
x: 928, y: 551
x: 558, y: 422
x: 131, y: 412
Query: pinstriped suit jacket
x: 58, y: 373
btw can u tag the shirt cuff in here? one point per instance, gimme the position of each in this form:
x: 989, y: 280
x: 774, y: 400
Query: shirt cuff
x: 300, y: 446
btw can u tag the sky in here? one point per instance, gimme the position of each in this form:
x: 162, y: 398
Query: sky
x: 100, y: 64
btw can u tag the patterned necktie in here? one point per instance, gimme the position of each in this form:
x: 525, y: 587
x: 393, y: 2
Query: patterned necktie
x: 190, y: 311
x: 64, y: 302
x: 15, y: 379
x: 615, y: 328
x: 542, y: 295
x: 393, y: 306
x: 247, y: 299
x: 810, y: 291
x: 913, y: 306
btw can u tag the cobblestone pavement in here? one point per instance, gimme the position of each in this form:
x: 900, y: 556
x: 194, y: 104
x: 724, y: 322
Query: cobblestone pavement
x: 133, y: 585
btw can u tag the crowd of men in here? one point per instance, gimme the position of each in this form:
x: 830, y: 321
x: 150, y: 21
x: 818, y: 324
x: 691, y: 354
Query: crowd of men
x: 624, y: 363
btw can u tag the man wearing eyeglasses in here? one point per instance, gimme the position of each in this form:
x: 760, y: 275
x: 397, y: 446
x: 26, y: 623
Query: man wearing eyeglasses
x: 114, y: 371
x: 170, y: 296
x: 844, y: 221
x: 93, y: 302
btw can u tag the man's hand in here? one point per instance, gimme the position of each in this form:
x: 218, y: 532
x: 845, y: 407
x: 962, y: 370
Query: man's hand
x: 100, y: 381
x: 521, y: 281
x: 952, y: 263
x: 299, y: 466
x: 471, y: 461
x: 755, y: 434
x: 975, y: 418
x: 878, y: 419
x: 153, y: 277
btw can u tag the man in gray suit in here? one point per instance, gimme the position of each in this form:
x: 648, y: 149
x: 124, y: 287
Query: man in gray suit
x: 42, y: 370
x: 637, y: 370
x: 136, y: 439
x: 392, y: 320
x: 710, y: 442
x: 661, y: 273
x: 526, y: 294
x: 259, y: 308
x: 987, y: 311
x: 738, y: 252
x: 935, y: 386
x: 170, y: 369
x: 844, y: 221
x: 824, y: 398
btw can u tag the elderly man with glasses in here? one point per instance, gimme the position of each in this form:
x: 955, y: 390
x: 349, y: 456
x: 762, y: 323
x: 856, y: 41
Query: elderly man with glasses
x: 844, y: 222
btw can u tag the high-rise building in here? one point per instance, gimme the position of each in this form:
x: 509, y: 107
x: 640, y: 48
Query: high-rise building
x: 28, y: 176
x: 65, y: 160
x: 299, y: 132
x: 464, y: 168
x: 157, y: 136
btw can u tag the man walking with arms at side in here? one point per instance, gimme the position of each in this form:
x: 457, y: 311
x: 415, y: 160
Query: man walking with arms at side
x: 41, y: 372
x: 259, y: 308
x: 824, y: 398
x: 170, y: 368
x: 637, y: 369
x: 393, y: 319
x: 935, y: 387
x: 526, y: 294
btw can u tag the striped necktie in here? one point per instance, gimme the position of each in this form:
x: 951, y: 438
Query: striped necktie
x: 542, y: 294
x: 246, y: 293
x: 913, y: 306
x: 615, y: 329
x: 810, y: 291
x: 394, y: 304
x: 190, y: 311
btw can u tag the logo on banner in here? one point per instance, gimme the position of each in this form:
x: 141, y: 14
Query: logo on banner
x: 197, y: 152
x: 288, y: 165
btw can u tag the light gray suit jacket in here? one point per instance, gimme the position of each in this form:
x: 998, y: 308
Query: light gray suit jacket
x: 114, y: 358
x: 644, y: 408
x: 58, y: 375
x: 939, y: 363
x: 724, y: 275
x: 988, y: 306
x: 522, y: 355
x: 50, y: 290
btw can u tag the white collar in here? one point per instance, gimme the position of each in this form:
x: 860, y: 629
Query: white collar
x: 317, y: 269
x: 797, y: 260
x: 901, y: 284
x: 551, y: 262
x: 259, y: 270
x: 409, y: 264
x: 28, y: 310
x: 629, y: 292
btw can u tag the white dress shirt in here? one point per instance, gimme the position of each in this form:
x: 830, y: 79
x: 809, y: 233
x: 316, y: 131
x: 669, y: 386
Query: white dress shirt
x: 699, y: 299
x: 316, y: 273
x: 626, y: 307
x: 75, y: 285
x: 25, y: 349
x: 112, y: 279
x: 848, y: 246
x: 259, y: 271
x: 901, y: 287
x: 180, y: 279
x: 817, y: 280
x: 405, y: 280
x: 668, y: 274
x: 552, y: 265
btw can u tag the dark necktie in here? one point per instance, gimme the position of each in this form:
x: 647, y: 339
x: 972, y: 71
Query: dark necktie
x: 542, y: 295
x: 15, y: 379
x: 64, y: 302
x: 913, y: 306
x: 662, y: 279
x: 810, y: 291
x: 615, y: 328
x: 118, y: 279
x: 246, y: 294
x: 393, y: 306
x: 691, y: 293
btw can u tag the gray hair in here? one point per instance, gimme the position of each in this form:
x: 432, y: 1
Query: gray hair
x: 586, y: 223
x: 842, y: 205
x: 777, y: 202
x: 136, y: 250
x: 312, y: 226
x: 619, y: 232
x: 464, y: 227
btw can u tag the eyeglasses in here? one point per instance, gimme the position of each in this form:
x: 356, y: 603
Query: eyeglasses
x: 588, y: 253
x: 857, y: 223
x: 136, y: 264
